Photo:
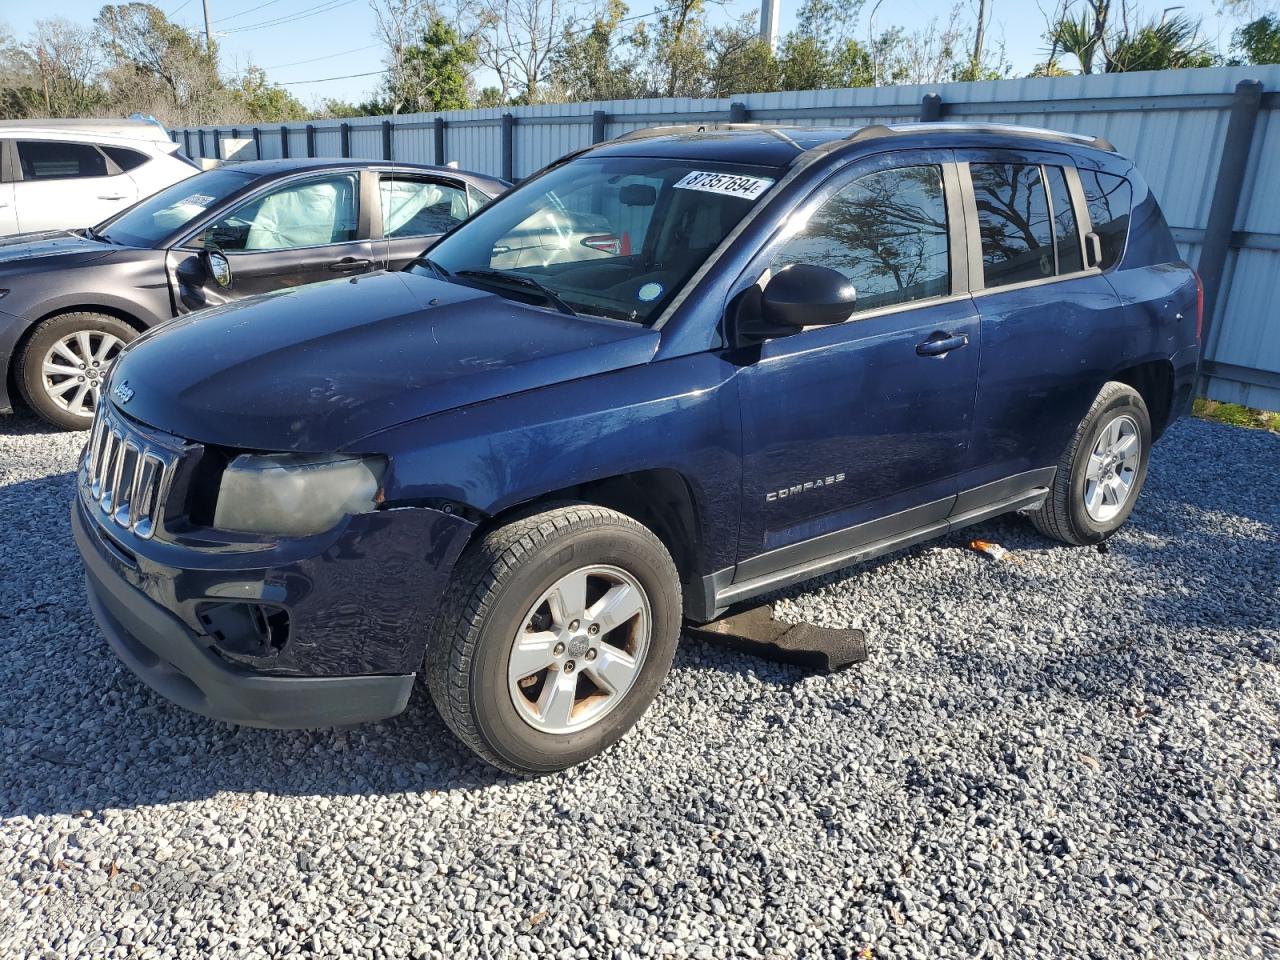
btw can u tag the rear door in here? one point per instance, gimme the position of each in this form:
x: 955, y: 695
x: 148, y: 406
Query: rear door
x: 295, y: 232
x: 415, y: 210
x: 1050, y: 324
x: 65, y: 185
x: 855, y: 433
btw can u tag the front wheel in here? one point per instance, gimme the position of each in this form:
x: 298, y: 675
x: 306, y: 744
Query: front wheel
x: 554, y: 636
x: 1102, y: 471
x: 64, y: 364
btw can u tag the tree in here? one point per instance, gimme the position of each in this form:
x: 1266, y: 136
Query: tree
x: 591, y: 65
x: 739, y: 61
x: 433, y: 74
x: 254, y: 98
x: 19, y: 80
x: 1167, y: 44
x: 1107, y: 35
x: 67, y: 57
x: 1259, y: 40
x: 159, y: 67
x: 521, y: 41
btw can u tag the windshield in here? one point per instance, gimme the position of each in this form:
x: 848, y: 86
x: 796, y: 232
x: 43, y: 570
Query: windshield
x: 147, y: 223
x: 609, y: 236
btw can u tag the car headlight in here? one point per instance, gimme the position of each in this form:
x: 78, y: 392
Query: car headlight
x: 295, y: 494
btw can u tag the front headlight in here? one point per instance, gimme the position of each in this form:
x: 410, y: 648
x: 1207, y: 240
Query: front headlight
x: 295, y: 494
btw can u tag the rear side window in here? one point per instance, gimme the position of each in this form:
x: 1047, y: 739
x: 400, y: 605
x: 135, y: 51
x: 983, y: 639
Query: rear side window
x: 420, y: 208
x: 57, y: 160
x: 1109, y: 199
x: 886, y: 232
x: 1066, y: 232
x: 1014, y: 222
x: 125, y: 158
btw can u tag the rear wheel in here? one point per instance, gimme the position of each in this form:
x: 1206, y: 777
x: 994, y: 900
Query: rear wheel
x: 554, y: 636
x: 1102, y: 471
x: 64, y: 364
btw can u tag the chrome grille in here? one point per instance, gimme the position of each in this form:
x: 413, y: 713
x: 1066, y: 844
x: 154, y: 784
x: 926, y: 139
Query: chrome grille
x: 126, y: 472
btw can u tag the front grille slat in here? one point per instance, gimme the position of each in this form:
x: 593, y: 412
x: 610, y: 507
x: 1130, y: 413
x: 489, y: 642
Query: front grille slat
x: 126, y: 473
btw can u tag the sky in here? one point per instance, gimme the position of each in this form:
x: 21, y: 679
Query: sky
x: 338, y: 38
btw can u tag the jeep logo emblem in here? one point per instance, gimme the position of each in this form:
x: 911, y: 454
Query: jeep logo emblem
x: 122, y: 392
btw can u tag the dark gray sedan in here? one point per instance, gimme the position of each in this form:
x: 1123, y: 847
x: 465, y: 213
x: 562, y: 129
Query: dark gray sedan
x: 69, y: 301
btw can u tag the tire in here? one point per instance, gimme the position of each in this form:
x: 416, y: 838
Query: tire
x: 496, y: 597
x: 88, y: 338
x: 1077, y: 511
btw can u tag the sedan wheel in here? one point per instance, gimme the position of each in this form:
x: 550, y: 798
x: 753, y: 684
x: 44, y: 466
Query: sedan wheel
x: 63, y: 365
x: 75, y: 368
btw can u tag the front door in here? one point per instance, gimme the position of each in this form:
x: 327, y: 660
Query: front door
x: 855, y: 433
x: 302, y: 231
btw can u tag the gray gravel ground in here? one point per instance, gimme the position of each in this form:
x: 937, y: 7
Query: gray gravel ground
x: 1074, y: 753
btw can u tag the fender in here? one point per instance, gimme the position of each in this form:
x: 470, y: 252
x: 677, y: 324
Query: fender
x: 680, y: 414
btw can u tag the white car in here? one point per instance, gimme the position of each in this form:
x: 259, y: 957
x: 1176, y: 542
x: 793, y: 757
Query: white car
x: 67, y: 174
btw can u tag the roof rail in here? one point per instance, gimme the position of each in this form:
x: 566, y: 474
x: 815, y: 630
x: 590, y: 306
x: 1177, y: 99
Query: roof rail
x: 644, y: 133
x: 1035, y: 133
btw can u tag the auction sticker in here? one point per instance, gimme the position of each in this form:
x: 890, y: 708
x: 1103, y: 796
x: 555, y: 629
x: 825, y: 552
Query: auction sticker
x: 730, y: 184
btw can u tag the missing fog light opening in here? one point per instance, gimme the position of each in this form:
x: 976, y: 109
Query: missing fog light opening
x: 245, y: 629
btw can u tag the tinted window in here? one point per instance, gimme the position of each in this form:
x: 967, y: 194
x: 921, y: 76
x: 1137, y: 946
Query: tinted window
x: 1065, y: 231
x: 54, y: 160
x: 420, y: 208
x: 1013, y: 219
x: 308, y: 214
x: 150, y: 221
x: 1109, y: 199
x: 887, y: 232
x: 124, y: 158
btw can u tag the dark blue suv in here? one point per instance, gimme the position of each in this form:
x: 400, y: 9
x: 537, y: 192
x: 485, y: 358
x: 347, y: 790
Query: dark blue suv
x: 667, y: 374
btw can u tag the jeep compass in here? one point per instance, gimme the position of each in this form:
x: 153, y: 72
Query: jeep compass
x: 506, y: 476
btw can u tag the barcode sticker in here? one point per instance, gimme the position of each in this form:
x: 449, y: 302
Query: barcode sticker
x: 730, y: 184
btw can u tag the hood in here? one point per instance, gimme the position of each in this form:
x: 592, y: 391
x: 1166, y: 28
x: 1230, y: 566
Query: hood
x: 316, y: 368
x: 52, y: 248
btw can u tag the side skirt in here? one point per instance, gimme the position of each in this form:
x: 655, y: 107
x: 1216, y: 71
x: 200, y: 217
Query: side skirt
x: 722, y: 594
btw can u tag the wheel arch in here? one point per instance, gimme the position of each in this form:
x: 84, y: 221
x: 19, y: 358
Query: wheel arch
x: 11, y: 373
x: 1154, y: 382
x: 660, y: 498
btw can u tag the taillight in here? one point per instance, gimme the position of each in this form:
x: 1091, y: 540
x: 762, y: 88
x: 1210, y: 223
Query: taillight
x: 609, y: 243
x: 1199, y: 304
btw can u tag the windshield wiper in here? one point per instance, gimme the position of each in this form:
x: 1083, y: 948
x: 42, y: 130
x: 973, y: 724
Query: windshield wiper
x: 93, y: 234
x: 435, y: 268
x: 520, y: 280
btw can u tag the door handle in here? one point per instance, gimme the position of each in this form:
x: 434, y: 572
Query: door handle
x: 350, y: 264
x: 111, y: 196
x: 940, y: 344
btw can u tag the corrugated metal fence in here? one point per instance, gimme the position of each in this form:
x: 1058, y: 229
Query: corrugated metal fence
x: 1208, y: 143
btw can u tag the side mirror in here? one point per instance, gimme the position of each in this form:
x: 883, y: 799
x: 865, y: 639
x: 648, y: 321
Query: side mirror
x: 218, y: 267
x: 1092, y: 249
x: 806, y: 295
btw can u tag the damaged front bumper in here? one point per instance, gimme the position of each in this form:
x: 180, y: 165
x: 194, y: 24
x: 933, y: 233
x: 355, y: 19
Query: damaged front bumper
x: 322, y: 633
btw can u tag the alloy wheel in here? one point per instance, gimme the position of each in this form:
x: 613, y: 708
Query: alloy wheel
x: 1112, y: 469
x: 75, y: 368
x: 580, y: 649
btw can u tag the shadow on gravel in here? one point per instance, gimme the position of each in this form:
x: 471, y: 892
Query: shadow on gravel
x: 23, y: 423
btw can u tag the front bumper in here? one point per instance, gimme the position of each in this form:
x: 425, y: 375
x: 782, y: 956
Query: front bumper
x: 173, y: 661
